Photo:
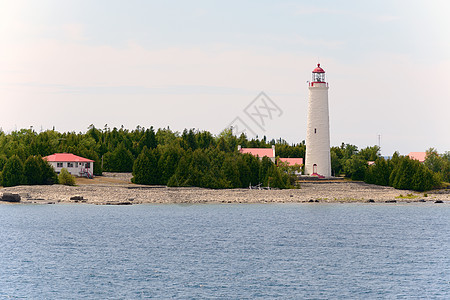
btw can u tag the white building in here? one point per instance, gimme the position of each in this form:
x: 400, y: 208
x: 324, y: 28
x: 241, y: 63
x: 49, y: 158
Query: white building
x: 318, y: 160
x: 76, y: 165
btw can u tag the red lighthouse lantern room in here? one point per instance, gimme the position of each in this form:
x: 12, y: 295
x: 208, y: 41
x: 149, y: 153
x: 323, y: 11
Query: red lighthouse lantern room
x: 318, y: 74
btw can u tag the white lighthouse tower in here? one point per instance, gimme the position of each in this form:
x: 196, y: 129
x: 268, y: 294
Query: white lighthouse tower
x: 318, y: 161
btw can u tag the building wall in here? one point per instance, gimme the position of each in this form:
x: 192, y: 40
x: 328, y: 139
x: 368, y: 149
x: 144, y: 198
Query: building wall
x: 318, y: 131
x: 75, y: 170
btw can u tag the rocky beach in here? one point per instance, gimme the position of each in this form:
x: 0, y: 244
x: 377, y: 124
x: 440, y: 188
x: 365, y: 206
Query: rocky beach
x: 117, y: 189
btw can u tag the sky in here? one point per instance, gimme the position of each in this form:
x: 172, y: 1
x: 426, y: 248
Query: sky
x: 204, y: 64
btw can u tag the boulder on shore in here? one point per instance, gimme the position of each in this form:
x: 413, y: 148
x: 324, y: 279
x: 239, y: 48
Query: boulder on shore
x: 10, y: 197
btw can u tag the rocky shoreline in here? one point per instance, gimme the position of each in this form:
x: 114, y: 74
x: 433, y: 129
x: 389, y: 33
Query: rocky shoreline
x: 116, y: 189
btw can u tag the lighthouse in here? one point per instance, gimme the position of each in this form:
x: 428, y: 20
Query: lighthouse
x: 317, y: 160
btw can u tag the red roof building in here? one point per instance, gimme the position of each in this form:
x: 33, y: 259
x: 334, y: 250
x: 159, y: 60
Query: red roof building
x: 259, y: 152
x: 292, y: 161
x: 75, y: 165
x: 420, y: 156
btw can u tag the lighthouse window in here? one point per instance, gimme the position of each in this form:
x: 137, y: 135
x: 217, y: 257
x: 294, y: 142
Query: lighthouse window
x: 315, y: 130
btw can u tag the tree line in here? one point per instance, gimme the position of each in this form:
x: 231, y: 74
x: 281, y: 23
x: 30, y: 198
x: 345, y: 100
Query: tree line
x: 199, y: 158
x: 191, y: 158
x: 399, y: 172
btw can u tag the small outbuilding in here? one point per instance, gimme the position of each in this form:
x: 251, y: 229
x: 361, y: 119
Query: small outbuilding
x: 75, y: 165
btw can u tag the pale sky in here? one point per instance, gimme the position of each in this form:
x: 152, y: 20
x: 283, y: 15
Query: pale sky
x: 200, y: 64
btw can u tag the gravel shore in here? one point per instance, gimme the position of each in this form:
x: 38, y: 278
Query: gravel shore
x: 116, y: 189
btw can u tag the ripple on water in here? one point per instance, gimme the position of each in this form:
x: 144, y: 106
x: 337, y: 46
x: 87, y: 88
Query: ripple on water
x: 225, y: 251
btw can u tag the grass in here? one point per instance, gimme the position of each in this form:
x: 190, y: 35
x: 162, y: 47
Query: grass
x: 408, y: 196
x: 100, y: 180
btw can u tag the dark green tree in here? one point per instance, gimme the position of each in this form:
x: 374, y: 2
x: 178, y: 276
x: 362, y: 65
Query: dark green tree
x: 189, y: 139
x: 120, y: 160
x: 402, y: 175
x: 12, y: 173
x: 48, y: 173
x: 181, y: 176
x: 168, y: 162
x: 145, y: 168
x: 264, y: 167
x: 3, y: 161
x: 148, y: 139
x: 230, y: 170
x: 355, y: 168
x: 253, y: 164
x: 32, y: 171
x: 379, y: 172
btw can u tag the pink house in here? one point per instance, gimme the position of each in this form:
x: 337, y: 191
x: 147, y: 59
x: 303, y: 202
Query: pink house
x: 259, y: 152
x: 76, y: 165
x: 292, y: 161
x: 420, y: 156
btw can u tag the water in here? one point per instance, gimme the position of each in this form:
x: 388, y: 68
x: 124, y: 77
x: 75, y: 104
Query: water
x: 314, y: 251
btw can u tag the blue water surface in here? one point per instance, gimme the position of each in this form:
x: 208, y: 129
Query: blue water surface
x: 242, y: 251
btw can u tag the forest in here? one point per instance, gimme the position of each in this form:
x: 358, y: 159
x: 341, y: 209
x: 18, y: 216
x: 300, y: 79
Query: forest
x: 201, y: 159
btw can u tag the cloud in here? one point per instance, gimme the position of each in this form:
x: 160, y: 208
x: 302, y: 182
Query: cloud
x: 74, y: 32
x: 53, y: 62
x: 72, y: 83
x: 324, y: 11
x: 312, y: 10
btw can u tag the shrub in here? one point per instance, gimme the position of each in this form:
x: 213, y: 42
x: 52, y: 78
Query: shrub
x: 66, y: 178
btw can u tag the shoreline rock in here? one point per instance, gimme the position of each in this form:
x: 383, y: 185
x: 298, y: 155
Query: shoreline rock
x: 310, y: 192
x: 10, y: 197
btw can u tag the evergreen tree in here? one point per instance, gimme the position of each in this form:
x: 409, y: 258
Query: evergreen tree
x: 231, y: 172
x: 3, y: 161
x: 423, y: 179
x: 245, y: 173
x: 276, y: 179
x: 355, y: 168
x: 168, y: 162
x: 265, y: 165
x: 404, y: 172
x: 32, y: 171
x: 148, y: 139
x: 12, y: 173
x: 181, y: 176
x: 379, y: 172
x: 145, y: 168
x: 120, y: 160
x: 253, y: 164
x: 48, y: 173
x: 189, y: 139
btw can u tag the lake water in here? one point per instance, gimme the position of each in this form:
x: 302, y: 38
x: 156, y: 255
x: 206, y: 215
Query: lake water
x: 244, y: 251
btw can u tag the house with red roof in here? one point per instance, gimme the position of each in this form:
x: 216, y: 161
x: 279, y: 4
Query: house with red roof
x: 76, y: 165
x: 270, y: 153
x: 259, y: 152
x: 291, y: 161
x: 297, y: 162
x: 420, y: 156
